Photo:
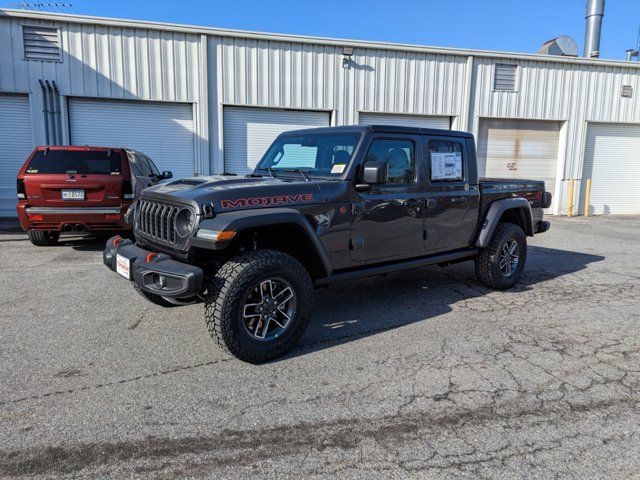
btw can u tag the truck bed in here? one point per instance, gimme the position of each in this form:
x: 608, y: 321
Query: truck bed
x: 492, y: 189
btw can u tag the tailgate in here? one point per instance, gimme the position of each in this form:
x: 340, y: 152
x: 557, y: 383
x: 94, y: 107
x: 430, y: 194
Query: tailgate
x: 73, y: 178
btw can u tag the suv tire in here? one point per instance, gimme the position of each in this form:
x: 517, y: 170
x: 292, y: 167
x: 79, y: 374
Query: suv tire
x: 156, y: 299
x: 246, y: 303
x: 501, y: 264
x: 43, y: 238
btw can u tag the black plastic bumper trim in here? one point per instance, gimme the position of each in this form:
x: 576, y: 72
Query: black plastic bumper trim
x: 161, y: 275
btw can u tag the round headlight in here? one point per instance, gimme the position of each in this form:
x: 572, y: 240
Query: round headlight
x: 185, y: 222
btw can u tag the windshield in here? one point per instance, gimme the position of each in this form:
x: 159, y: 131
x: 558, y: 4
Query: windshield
x: 315, y: 154
x: 97, y: 162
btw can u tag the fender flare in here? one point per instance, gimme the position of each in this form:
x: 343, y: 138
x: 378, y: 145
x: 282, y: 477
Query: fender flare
x: 245, y: 219
x: 496, y: 210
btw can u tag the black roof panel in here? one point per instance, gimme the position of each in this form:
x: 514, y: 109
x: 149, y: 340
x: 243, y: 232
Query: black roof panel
x: 383, y: 129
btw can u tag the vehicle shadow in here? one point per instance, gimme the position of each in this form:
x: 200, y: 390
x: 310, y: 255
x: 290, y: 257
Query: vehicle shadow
x: 350, y: 311
x: 93, y: 242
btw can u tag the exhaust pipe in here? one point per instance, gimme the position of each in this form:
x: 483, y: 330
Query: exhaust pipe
x: 79, y: 227
x: 67, y: 227
x: 595, y: 12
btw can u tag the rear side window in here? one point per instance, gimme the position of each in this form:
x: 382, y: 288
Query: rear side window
x: 150, y: 165
x: 446, y: 161
x: 76, y: 162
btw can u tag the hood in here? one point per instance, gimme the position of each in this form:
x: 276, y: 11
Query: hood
x: 230, y: 193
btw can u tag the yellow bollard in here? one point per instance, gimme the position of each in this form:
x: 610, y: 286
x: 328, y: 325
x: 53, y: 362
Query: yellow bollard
x: 570, y: 206
x: 587, y: 195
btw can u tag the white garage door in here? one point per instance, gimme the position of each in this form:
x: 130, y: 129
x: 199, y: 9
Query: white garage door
x: 420, y: 121
x: 514, y: 149
x: 612, y: 161
x: 164, y: 131
x: 248, y: 132
x: 16, y: 143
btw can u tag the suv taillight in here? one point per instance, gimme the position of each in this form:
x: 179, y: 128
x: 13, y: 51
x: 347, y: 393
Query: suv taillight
x: 22, y: 193
x: 127, y: 190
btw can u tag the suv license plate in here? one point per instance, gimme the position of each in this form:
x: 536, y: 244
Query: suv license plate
x: 73, y: 194
x: 123, y: 266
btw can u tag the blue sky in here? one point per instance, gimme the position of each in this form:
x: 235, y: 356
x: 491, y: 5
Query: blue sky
x: 511, y: 25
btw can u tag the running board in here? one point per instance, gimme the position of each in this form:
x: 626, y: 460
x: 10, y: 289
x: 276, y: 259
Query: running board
x: 397, y: 266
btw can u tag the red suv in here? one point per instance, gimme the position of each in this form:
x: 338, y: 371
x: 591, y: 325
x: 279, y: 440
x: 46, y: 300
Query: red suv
x: 80, y: 189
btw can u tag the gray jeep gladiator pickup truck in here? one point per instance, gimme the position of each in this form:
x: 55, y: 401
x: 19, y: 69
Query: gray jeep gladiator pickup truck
x: 322, y: 206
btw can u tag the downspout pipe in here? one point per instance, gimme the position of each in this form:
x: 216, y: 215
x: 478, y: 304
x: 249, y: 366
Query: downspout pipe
x: 52, y: 113
x: 58, y: 112
x: 45, y: 110
x: 593, y: 29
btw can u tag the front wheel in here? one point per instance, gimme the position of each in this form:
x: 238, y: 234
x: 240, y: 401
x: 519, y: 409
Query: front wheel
x: 501, y: 264
x: 257, y: 307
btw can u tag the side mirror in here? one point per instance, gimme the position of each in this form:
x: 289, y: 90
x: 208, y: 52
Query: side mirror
x: 375, y: 172
x: 167, y: 175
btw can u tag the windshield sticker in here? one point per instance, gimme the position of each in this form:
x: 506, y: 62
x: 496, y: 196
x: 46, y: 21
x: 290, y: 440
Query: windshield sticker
x: 338, y: 168
x: 266, y: 201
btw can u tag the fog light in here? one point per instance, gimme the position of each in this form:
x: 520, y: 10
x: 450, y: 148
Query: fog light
x: 159, y: 281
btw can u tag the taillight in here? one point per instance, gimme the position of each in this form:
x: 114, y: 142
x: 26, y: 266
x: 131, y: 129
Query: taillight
x: 22, y: 193
x: 127, y: 189
x: 35, y: 217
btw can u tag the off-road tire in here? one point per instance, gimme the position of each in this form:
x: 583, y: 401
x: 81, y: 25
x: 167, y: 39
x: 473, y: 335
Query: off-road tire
x: 231, y: 284
x: 156, y: 299
x: 488, y: 261
x: 43, y: 238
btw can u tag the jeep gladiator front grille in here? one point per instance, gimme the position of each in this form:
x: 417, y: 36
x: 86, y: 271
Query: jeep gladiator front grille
x: 158, y: 221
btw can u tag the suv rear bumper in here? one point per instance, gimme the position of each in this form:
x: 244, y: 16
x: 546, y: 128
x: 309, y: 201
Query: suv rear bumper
x: 58, y: 218
x: 154, y: 272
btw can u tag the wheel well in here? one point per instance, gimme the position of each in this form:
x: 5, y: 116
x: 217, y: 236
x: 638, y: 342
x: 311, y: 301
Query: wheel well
x: 288, y: 238
x: 517, y: 216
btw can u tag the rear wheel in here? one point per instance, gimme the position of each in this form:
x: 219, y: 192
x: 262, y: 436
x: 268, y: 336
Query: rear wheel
x: 501, y: 264
x: 258, y: 305
x: 43, y: 238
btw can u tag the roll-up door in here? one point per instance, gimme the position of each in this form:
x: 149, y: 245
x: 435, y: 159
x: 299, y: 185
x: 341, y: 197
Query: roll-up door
x: 420, y: 121
x: 16, y: 143
x: 249, y: 131
x: 162, y: 130
x: 526, y: 149
x: 612, y: 162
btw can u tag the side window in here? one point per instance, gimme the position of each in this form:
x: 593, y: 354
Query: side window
x: 400, y: 157
x: 144, y: 165
x: 135, y: 165
x: 445, y: 161
x: 152, y: 166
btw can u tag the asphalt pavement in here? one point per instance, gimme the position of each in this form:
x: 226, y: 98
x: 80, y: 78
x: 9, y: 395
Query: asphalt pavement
x: 420, y: 374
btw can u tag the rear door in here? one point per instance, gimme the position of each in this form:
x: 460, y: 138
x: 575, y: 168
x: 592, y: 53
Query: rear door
x: 453, y: 194
x: 388, y: 220
x: 73, y: 178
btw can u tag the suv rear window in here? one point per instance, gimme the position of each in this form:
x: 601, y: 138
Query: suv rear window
x: 80, y: 162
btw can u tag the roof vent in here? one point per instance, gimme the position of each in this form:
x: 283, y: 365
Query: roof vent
x: 627, y: 91
x: 41, y: 43
x: 563, y: 46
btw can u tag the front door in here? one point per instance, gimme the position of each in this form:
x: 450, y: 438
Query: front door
x: 388, y: 220
x: 453, y: 195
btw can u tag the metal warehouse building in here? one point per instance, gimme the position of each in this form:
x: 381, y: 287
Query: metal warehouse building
x: 203, y: 100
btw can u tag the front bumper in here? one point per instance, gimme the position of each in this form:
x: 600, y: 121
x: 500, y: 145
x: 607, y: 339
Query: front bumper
x: 155, y: 273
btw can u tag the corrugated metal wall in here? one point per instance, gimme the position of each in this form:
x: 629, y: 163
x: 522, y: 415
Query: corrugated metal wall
x: 144, y: 61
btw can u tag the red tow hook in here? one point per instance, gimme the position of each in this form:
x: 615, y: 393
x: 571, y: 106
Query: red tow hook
x: 117, y: 240
x: 151, y: 256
